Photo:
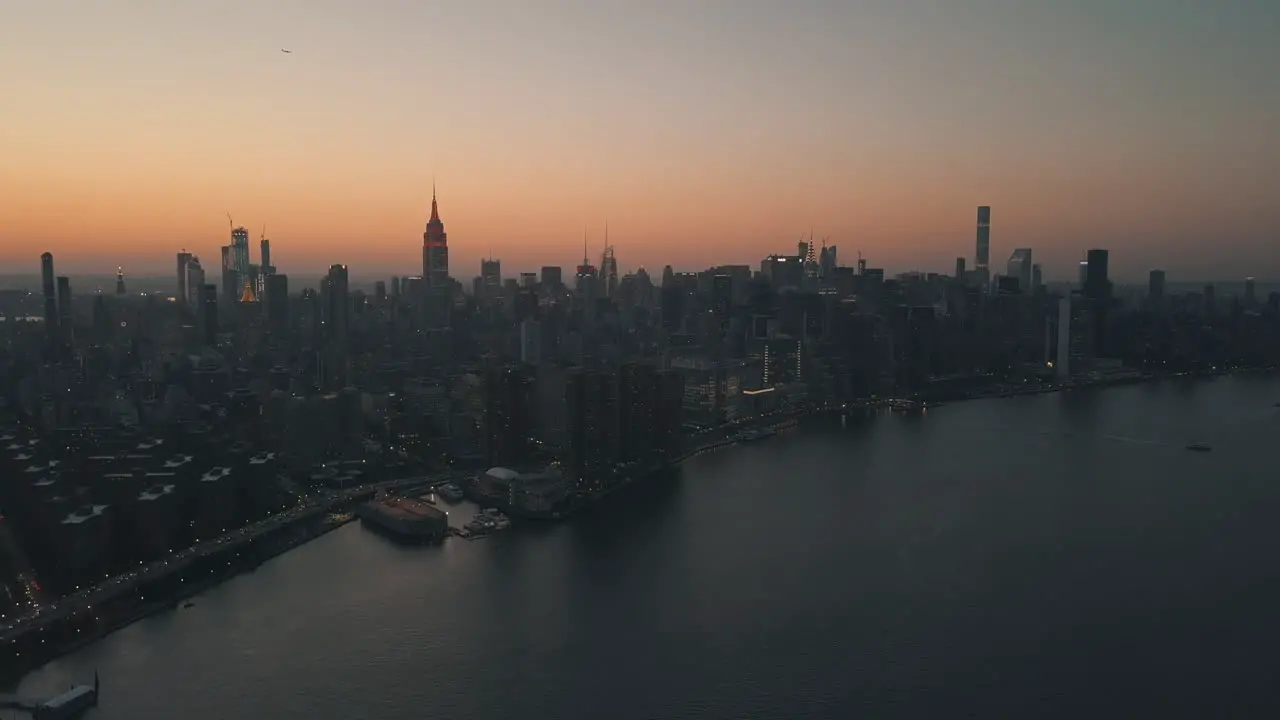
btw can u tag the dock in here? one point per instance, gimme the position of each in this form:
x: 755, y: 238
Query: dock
x: 67, y: 705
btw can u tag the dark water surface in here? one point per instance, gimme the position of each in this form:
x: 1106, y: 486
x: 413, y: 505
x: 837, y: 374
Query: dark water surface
x: 1052, y: 556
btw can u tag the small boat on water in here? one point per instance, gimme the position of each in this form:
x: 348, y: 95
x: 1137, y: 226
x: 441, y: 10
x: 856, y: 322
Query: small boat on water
x: 188, y: 604
x: 1200, y: 447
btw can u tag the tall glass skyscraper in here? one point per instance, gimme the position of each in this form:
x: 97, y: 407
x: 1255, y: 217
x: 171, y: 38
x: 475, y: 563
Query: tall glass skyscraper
x: 983, y: 255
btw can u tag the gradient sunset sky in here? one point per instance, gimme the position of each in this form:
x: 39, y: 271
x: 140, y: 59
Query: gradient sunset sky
x: 702, y: 131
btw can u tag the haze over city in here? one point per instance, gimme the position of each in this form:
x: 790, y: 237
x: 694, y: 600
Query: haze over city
x: 924, y: 360
x: 700, y: 132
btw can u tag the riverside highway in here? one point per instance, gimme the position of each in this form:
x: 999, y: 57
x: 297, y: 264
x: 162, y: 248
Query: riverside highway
x: 114, y: 587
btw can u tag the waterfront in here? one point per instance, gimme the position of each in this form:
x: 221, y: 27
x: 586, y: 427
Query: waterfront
x: 1054, y: 555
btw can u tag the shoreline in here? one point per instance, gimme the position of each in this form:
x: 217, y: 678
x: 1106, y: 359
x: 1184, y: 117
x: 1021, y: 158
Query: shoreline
x: 257, y: 551
x: 792, y: 418
x: 244, y: 560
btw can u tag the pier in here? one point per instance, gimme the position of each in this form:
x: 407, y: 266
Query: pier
x: 66, y: 705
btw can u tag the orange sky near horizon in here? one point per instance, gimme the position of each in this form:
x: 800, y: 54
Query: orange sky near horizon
x: 697, y: 148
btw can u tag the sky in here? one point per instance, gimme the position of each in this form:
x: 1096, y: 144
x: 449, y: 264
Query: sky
x: 700, y: 132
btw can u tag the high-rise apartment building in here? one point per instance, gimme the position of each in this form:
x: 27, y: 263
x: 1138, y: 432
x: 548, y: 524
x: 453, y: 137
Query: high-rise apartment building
x: 982, y: 255
x: 209, y: 314
x: 552, y: 278
x: 195, y: 282
x: 1097, y: 290
x: 240, y: 251
x: 1019, y: 266
x: 1062, y: 365
x: 50, y: 294
x: 184, y: 262
x: 1155, y: 287
x: 277, y: 297
x: 66, y: 323
x: 491, y: 279
x: 338, y: 355
x: 1097, y: 281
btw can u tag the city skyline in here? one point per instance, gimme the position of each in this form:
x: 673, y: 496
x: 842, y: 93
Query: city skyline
x: 878, y: 125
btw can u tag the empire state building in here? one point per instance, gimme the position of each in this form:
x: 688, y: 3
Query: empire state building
x: 435, y: 252
x: 437, y: 287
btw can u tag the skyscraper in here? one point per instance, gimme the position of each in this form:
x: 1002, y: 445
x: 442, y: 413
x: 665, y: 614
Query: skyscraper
x: 530, y: 342
x: 338, y: 357
x: 1097, y: 288
x: 491, y: 278
x: 230, y: 276
x: 277, y: 296
x: 435, y: 268
x: 1019, y: 267
x: 208, y: 320
x: 1097, y: 283
x: 184, y: 261
x: 608, y: 268
x: 1250, y: 293
x: 265, y: 251
x: 983, y: 254
x: 1062, y: 367
x: 50, y: 296
x: 65, y: 321
x: 195, y: 282
x: 240, y: 251
x: 1155, y: 286
x: 120, y: 280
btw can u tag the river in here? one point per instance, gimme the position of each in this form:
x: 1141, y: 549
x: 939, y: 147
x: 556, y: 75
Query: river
x: 1047, y: 556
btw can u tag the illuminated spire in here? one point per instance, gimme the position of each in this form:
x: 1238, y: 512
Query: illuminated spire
x: 435, y: 212
x: 248, y: 296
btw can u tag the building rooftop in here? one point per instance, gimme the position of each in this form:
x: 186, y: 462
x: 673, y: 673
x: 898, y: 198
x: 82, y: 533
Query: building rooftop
x: 502, y: 473
x: 262, y: 458
x: 410, y: 509
x: 178, y: 461
x: 215, y: 474
x: 84, y: 513
x: 155, y: 492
